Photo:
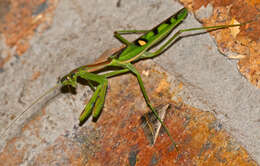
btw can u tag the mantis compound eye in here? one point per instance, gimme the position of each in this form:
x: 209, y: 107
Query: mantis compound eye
x: 68, y: 77
x: 63, y: 79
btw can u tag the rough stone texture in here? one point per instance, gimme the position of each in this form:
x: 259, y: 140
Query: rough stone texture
x: 241, y: 43
x: 79, y: 32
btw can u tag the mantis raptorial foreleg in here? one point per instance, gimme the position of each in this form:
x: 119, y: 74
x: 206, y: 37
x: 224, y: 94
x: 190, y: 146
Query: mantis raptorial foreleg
x: 96, y: 102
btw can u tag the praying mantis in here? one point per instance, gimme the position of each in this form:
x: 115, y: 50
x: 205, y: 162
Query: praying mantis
x: 122, y: 62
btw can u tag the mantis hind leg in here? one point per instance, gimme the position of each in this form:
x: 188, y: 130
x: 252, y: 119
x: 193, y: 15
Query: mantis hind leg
x: 177, y: 35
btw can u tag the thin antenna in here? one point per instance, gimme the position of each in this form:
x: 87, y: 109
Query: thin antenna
x: 28, y: 108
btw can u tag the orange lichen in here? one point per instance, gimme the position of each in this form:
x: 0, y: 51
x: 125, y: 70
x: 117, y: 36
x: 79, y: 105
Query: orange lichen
x: 20, y: 19
x: 240, y: 43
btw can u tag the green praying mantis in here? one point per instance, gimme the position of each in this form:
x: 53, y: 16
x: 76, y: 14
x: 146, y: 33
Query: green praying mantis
x: 122, y: 62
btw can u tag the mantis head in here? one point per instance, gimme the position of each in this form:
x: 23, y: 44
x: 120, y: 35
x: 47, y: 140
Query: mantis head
x: 69, y: 79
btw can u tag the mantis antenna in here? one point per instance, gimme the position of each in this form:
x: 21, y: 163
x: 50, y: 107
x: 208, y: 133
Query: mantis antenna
x: 30, y: 106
